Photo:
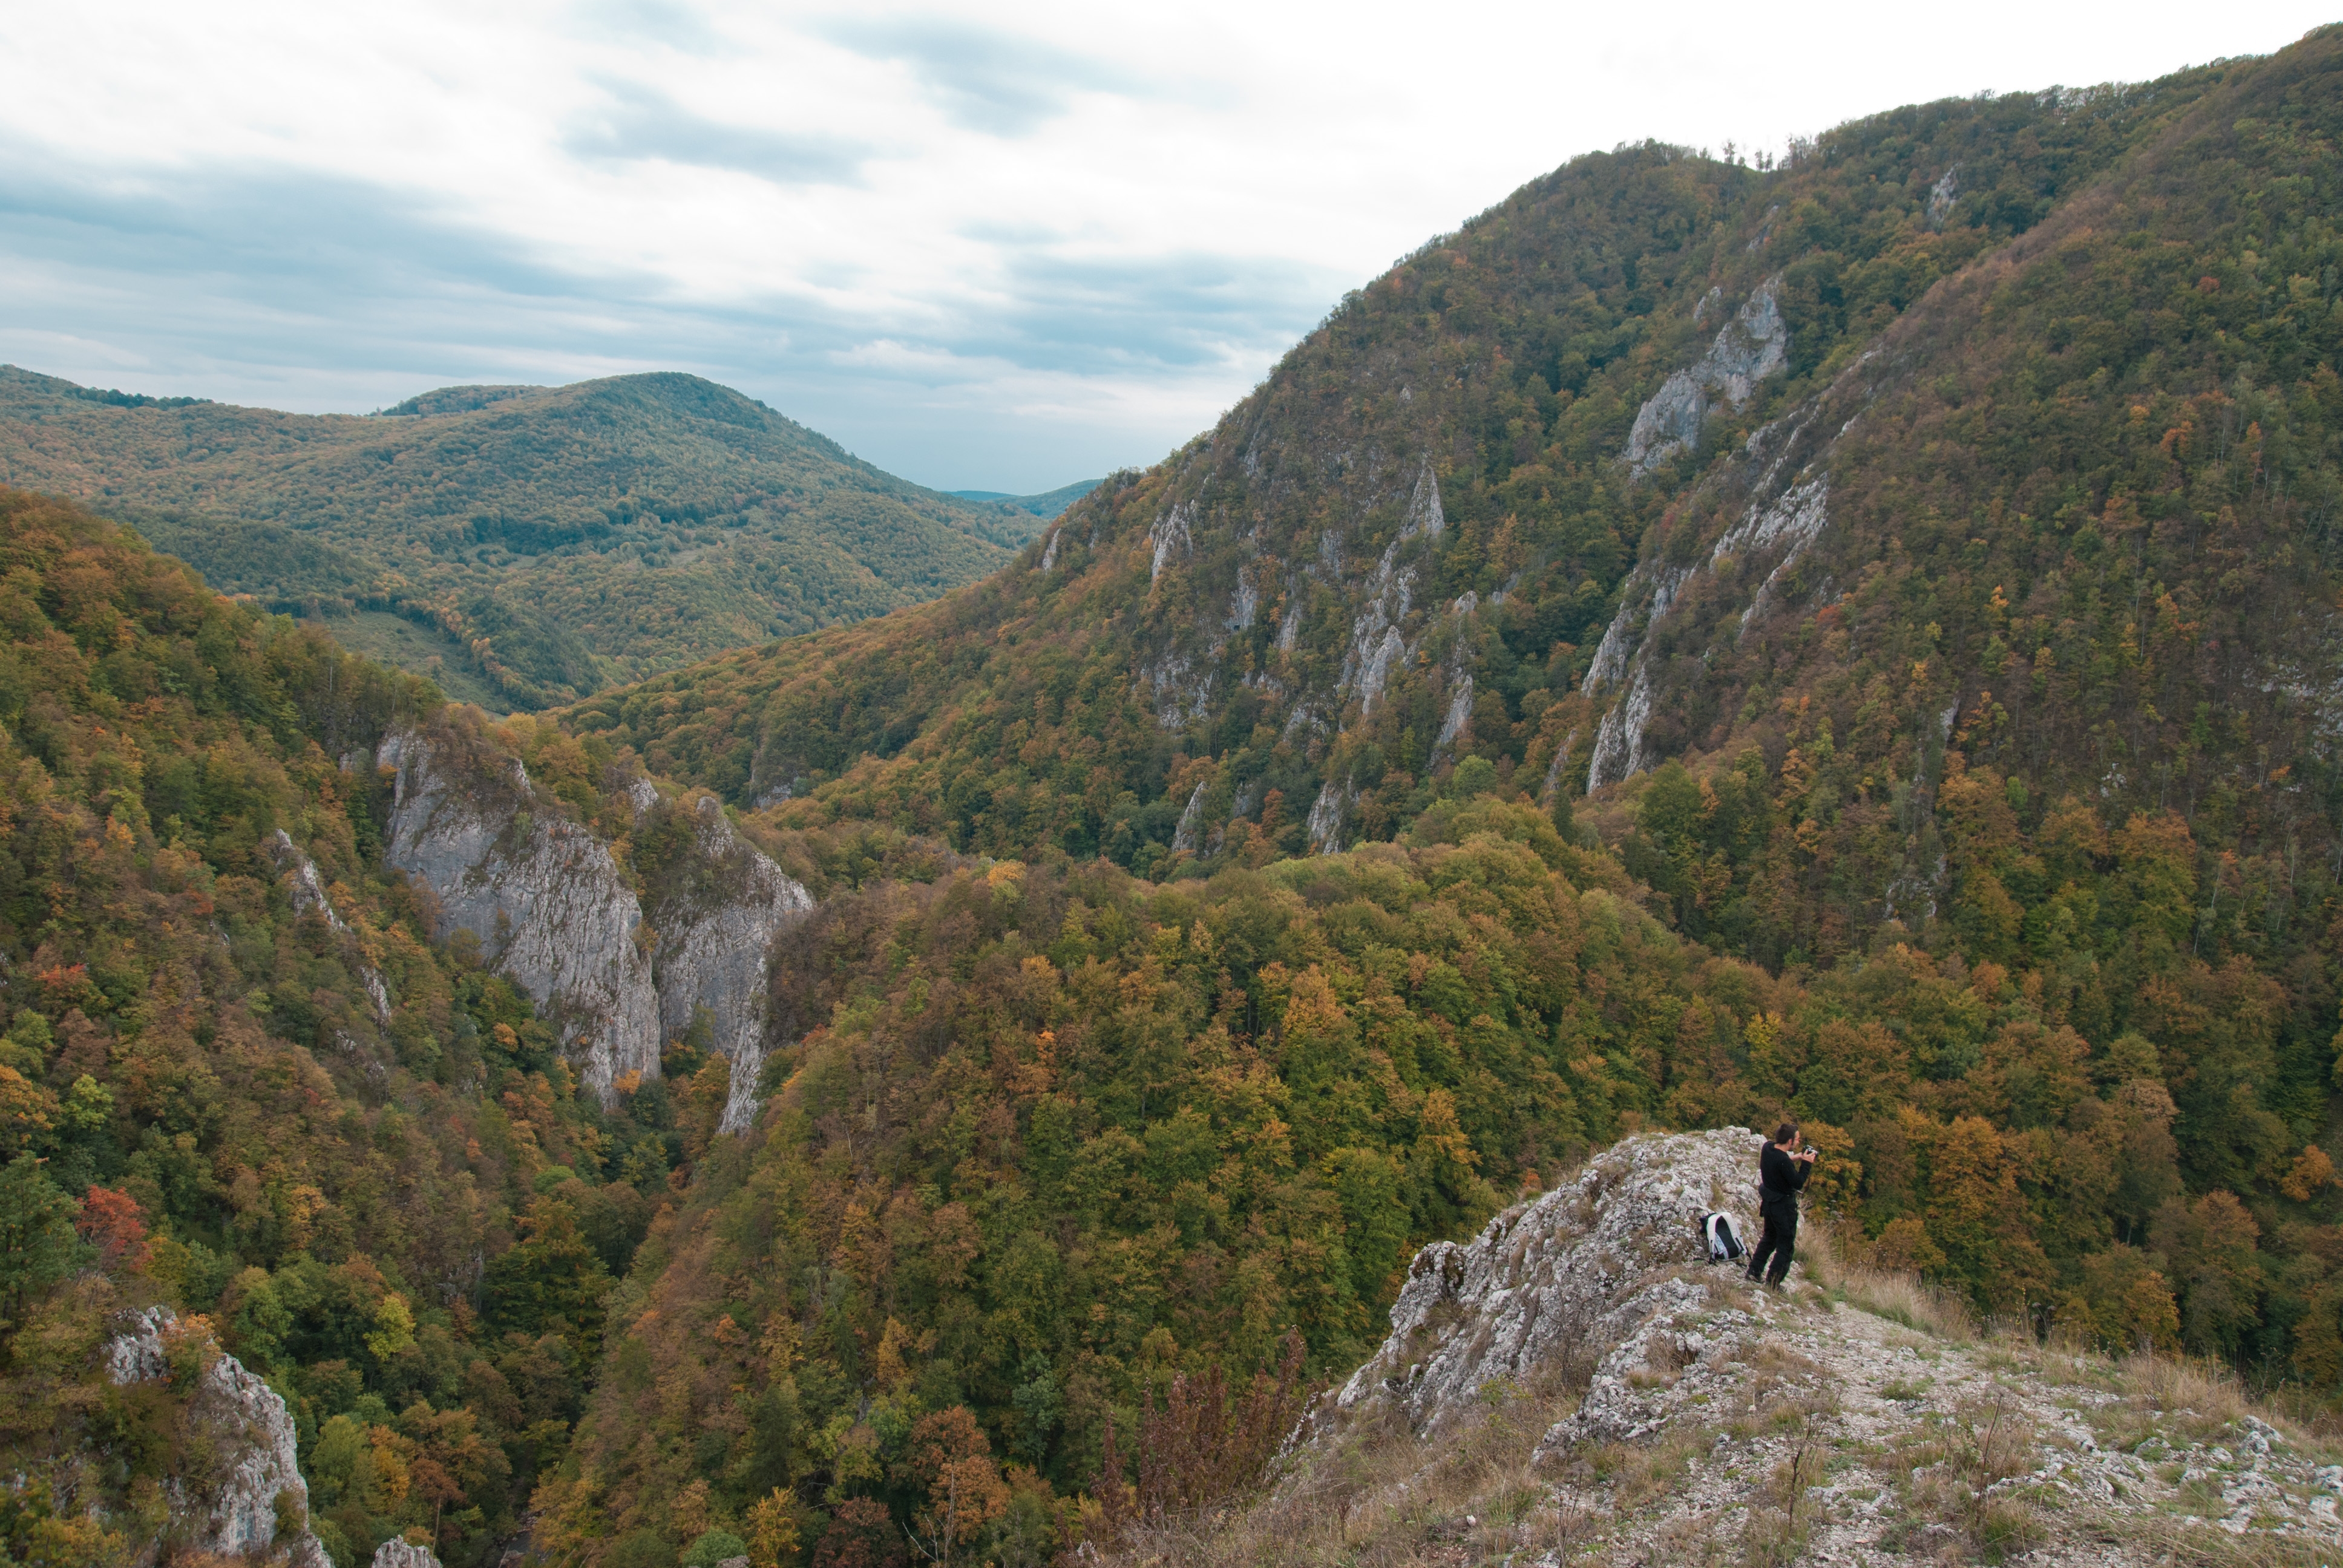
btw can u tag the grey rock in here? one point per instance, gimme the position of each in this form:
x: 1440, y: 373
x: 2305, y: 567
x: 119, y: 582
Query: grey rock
x: 1785, y: 526
x: 1748, y: 348
x: 1184, y: 834
x: 1459, y: 713
x: 1377, y: 647
x: 552, y: 912
x: 307, y: 891
x: 540, y: 892
x: 1943, y: 194
x: 1591, y: 1271
x: 1169, y: 536
x: 1244, y: 604
x: 1327, y: 814
x: 1619, y: 739
x: 400, y: 1552
x: 713, y: 949
x: 1183, y: 694
x: 231, y: 1510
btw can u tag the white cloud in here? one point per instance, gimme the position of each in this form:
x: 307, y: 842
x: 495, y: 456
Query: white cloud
x: 986, y: 246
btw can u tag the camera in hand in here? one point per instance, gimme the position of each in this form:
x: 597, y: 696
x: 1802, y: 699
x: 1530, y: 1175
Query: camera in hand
x: 1809, y: 1151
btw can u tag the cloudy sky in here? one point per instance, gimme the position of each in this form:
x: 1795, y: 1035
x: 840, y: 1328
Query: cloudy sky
x: 999, y: 247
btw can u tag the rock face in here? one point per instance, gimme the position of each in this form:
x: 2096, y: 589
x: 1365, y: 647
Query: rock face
x: 397, y: 1553
x: 554, y: 913
x: 234, y: 1508
x: 715, y: 935
x: 1751, y: 347
x: 1786, y: 471
x: 540, y: 892
x: 1578, y: 1275
x: 306, y: 889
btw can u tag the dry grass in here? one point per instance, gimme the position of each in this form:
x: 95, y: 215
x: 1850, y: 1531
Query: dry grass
x: 1380, y: 1497
x: 1947, y: 1471
x: 2187, y: 1544
x: 1377, y: 1496
x: 1900, y: 1298
x: 1781, y: 1517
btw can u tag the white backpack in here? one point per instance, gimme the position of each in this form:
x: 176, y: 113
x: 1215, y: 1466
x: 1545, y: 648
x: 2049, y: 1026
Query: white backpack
x: 1724, y: 1241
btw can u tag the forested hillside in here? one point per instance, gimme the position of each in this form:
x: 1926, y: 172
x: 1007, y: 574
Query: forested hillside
x: 358, y: 1157
x: 1859, y: 639
x: 544, y: 541
x: 1916, y: 567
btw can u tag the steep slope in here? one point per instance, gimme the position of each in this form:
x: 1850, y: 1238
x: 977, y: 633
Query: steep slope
x: 1408, y: 545
x: 239, y: 1079
x: 556, y: 540
x: 624, y: 952
x: 2008, y: 521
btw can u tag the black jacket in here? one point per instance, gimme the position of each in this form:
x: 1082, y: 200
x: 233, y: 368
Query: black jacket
x: 1779, y: 1177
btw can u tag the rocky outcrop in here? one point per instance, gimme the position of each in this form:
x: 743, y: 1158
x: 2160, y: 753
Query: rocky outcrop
x: 1579, y: 1276
x: 1902, y: 1434
x: 555, y: 914
x: 399, y: 1553
x: 1943, y: 194
x: 249, y: 1501
x: 715, y: 930
x: 1377, y: 646
x: 1748, y: 348
x: 540, y: 891
x: 1648, y: 596
x: 1782, y: 520
x: 1327, y: 814
x: 1168, y: 538
x: 1184, y: 833
x: 306, y: 889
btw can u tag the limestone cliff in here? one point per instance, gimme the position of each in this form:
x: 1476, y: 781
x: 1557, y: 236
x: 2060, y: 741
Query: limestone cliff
x: 717, y: 924
x: 242, y: 1494
x: 555, y: 911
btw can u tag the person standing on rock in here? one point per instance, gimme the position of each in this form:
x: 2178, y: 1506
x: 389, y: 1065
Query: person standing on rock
x: 1782, y: 1169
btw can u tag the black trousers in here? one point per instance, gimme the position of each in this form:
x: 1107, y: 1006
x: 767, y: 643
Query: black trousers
x: 1779, y: 1243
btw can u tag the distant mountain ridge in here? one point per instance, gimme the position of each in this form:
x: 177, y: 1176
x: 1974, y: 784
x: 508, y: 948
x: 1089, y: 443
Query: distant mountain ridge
x: 1046, y: 506
x: 542, y: 543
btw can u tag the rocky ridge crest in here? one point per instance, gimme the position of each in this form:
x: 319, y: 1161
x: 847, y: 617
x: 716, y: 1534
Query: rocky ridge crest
x: 1592, y: 1263
x: 1835, y: 1425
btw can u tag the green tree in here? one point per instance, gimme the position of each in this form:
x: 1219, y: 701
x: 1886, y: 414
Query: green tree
x: 37, y: 1245
x: 552, y: 1281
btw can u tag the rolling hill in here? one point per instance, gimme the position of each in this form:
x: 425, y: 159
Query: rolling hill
x: 538, y: 543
